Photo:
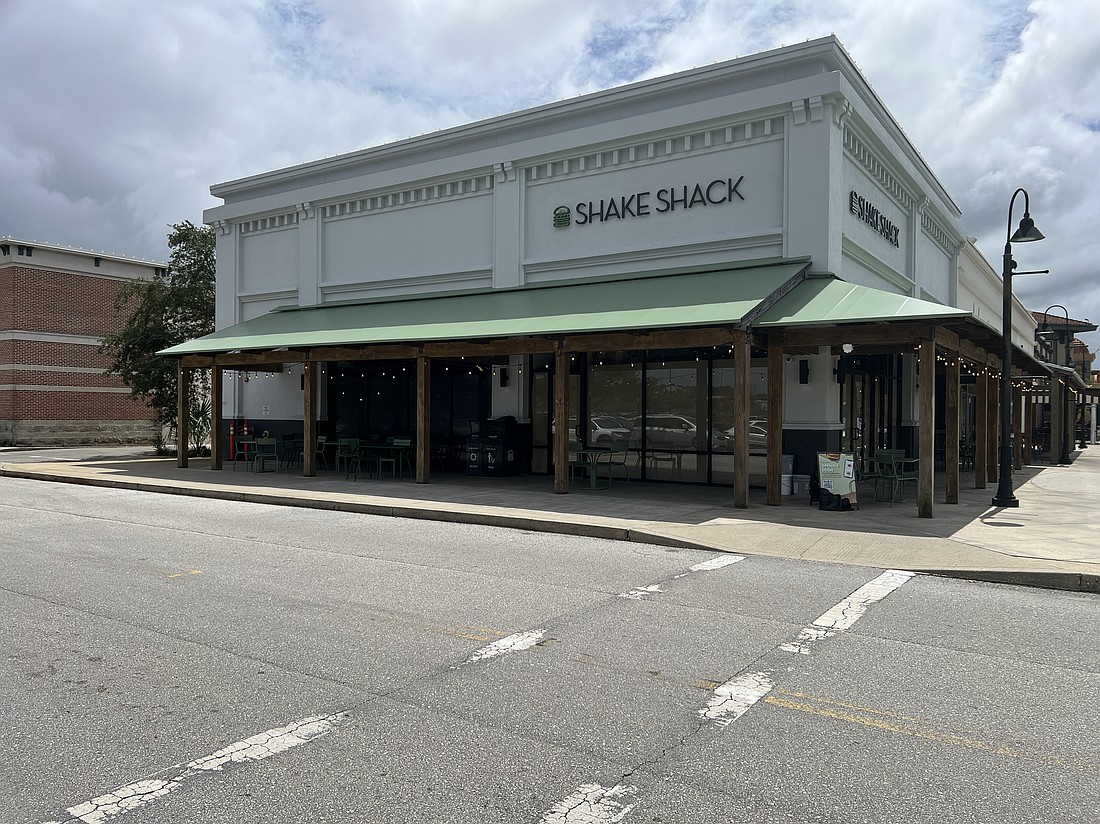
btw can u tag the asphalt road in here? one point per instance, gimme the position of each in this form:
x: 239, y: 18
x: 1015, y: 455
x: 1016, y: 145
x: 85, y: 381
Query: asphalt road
x: 176, y: 659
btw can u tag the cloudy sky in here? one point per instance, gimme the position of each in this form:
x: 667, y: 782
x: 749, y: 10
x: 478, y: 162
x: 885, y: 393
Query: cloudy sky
x: 118, y: 115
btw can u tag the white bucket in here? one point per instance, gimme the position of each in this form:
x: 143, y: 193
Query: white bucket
x: 785, y: 484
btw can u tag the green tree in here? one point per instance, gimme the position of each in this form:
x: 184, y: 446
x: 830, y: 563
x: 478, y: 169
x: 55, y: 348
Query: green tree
x: 176, y: 305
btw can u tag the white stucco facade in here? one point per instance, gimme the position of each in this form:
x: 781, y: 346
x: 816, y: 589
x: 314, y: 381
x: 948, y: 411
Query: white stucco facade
x: 784, y: 154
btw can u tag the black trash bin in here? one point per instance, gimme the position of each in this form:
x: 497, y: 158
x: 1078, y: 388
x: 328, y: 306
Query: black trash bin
x: 499, y: 443
x: 474, y: 455
x: 492, y: 456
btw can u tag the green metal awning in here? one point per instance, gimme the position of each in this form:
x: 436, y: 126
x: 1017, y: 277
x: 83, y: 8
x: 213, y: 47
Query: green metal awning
x: 659, y: 302
x: 826, y: 301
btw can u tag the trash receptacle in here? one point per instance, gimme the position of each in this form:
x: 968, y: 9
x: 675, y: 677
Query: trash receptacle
x: 474, y: 455
x: 492, y: 460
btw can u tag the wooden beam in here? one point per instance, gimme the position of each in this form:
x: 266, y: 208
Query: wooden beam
x: 884, y: 334
x: 196, y: 361
x: 993, y: 428
x: 742, y: 357
x: 946, y: 339
x: 1056, y: 393
x: 183, y: 406
x: 309, y: 421
x: 327, y: 354
x: 981, y: 427
x: 1018, y: 427
x: 775, y: 424
x: 974, y: 354
x: 926, y: 427
x: 216, y: 450
x: 561, y: 423
x: 423, y: 419
x: 653, y: 339
x: 1029, y: 415
x: 494, y: 348
x: 952, y: 428
x: 231, y: 360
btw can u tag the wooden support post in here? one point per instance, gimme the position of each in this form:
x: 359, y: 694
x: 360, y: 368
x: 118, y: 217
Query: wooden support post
x: 993, y: 429
x: 1029, y: 422
x: 775, y: 424
x: 1055, y: 420
x: 423, y: 420
x: 741, y: 389
x: 182, y: 415
x: 561, y: 423
x: 309, y: 421
x: 981, y: 428
x: 952, y: 429
x: 1018, y: 427
x: 927, y: 428
x: 216, y: 451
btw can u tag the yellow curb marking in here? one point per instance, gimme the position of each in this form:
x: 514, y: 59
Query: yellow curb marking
x: 181, y: 574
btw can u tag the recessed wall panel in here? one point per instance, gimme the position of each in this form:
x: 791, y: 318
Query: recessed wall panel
x: 420, y: 241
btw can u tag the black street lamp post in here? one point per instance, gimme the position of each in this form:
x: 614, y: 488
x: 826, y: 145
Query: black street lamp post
x: 1024, y: 234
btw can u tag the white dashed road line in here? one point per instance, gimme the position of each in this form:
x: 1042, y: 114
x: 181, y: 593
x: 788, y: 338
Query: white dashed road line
x: 511, y: 643
x: 591, y: 804
x: 848, y: 611
x: 256, y: 748
x: 713, y: 563
x: 638, y: 593
x: 732, y: 699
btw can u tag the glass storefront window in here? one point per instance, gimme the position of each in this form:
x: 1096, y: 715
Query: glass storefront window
x: 677, y: 419
x: 614, y: 400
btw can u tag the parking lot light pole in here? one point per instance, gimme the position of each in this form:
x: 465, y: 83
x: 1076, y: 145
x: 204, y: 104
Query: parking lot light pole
x: 1024, y: 234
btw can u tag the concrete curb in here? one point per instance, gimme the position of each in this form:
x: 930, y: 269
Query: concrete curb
x: 622, y: 531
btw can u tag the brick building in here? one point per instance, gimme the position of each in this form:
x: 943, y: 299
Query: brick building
x: 56, y: 305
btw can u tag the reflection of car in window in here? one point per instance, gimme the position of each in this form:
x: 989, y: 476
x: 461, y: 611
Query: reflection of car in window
x: 607, y: 429
x: 669, y: 432
x: 722, y: 440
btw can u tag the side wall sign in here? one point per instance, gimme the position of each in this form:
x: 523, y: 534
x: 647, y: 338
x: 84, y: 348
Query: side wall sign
x: 869, y: 214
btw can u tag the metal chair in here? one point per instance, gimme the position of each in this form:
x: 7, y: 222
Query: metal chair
x: 346, y: 450
x: 292, y: 449
x: 321, y: 440
x: 620, y: 450
x: 267, y: 450
x: 900, y: 471
x: 397, y: 457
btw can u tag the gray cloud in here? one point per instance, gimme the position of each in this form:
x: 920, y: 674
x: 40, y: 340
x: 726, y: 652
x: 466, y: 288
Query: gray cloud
x: 126, y: 112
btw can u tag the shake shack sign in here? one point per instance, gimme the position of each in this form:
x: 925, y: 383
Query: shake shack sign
x: 862, y: 209
x: 686, y: 197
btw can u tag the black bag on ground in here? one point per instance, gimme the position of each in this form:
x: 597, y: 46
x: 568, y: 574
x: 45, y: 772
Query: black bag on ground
x: 831, y: 502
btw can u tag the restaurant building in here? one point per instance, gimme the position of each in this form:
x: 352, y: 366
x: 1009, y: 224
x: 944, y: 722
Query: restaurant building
x: 730, y: 269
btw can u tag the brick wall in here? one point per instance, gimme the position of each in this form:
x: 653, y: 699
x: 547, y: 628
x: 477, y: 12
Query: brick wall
x: 37, y: 300
x: 55, y: 391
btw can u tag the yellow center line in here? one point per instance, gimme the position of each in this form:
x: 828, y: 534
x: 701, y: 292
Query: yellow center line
x: 928, y: 735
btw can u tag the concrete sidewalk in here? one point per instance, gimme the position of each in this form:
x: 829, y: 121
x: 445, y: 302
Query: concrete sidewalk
x: 1050, y: 541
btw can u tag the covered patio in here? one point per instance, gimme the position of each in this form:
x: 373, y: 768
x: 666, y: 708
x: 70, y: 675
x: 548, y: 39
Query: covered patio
x: 775, y: 307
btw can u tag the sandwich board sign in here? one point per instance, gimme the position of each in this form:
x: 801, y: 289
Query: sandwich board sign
x: 836, y: 472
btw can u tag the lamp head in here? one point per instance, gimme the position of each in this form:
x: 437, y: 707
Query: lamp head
x: 1027, y: 231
